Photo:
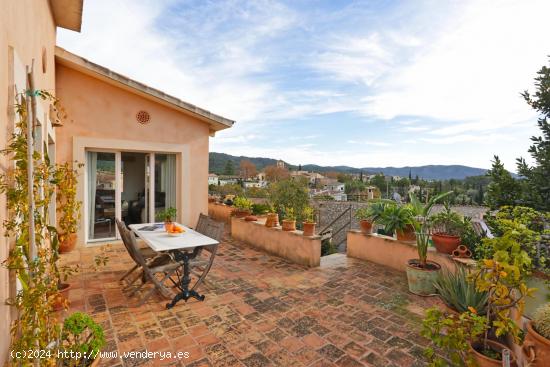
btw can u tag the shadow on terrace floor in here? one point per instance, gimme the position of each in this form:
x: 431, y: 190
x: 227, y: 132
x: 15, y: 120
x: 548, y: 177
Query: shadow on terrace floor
x: 261, y: 311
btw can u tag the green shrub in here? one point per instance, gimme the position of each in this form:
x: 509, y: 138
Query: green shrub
x: 541, y: 320
x: 242, y: 203
x: 83, y: 335
x: 259, y: 209
x: 289, y: 194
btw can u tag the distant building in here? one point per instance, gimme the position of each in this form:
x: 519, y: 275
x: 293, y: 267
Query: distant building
x: 333, y: 185
x: 254, y: 183
x: 213, y: 179
x: 280, y: 164
x: 228, y: 180
x: 311, y: 177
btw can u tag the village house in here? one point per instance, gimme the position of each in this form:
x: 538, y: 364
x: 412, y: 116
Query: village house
x: 213, y: 179
x: 142, y: 150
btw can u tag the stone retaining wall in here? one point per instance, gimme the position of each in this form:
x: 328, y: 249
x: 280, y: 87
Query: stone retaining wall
x: 292, y: 246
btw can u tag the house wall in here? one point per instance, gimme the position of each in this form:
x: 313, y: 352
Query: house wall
x: 26, y: 29
x: 102, y: 112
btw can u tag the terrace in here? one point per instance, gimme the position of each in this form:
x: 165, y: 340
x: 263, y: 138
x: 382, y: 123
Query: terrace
x: 261, y: 310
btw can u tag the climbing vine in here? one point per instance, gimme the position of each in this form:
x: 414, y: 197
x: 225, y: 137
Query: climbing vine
x: 32, y: 262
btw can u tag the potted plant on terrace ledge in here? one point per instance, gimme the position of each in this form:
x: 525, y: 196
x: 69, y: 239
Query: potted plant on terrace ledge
x: 243, y: 207
x: 399, y: 220
x: 289, y: 221
x: 370, y: 214
x: 448, y: 227
x: 309, y: 221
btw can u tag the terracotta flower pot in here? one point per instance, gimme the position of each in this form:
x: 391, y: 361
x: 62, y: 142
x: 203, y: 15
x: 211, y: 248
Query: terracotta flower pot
x: 484, y: 361
x: 272, y: 220
x: 251, y: 218
x: 309, y: 229
x: 445, y: 243
x: 67, y: 242
x: 211, y: 200
x: 366, y: 226
x: 289, y: 225
x: 536, y: 348
x: 62, y: 297
x: 407, y: 234
x: 421, y: 280
x: 241, y: 213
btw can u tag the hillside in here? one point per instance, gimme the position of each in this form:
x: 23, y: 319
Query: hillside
x: 435, y: 172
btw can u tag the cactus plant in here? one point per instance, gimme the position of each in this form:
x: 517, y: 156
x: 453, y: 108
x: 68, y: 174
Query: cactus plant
x: 541, y: 320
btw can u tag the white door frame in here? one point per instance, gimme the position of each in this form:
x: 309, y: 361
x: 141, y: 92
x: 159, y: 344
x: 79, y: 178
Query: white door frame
x: 183, y: 174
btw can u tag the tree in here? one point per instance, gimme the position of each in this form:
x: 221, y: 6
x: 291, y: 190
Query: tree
x: 289, y: 194
x: 537, y: 177
x: 379, y: 181
x: 247, y: 169
x: 503, y: 190
x: 229, y: 169
x: 276, y: 173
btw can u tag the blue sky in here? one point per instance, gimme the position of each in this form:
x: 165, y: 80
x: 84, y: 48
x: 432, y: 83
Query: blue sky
x: 359, y: 83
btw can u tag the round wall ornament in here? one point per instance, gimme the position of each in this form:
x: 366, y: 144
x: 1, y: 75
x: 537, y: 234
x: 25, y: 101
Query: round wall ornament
x: 143, y: 117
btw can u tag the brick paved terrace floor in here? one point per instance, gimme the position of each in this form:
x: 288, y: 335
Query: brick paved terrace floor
x: 261, y: 311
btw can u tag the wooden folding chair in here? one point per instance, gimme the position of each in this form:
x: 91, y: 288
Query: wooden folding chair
x: 147, y: 253
x: 200, y: 267
x: 163, y: 265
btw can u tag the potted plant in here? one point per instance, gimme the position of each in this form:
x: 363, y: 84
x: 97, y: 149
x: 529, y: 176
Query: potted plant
x: 65, y: 179
x: 81, y: 340
x: 309, y: 221
x: 458, y: 292
x: 502, y: 277
x: 447, y: 227
x: 422, y: 273
x: 452, y: 332
x: 167, y: 215
x: 537, y: 342
x: 243, y: 207
x: 370, y: 214
x: 289, y: 221
x: 399, y: 220
x: 272, y: 217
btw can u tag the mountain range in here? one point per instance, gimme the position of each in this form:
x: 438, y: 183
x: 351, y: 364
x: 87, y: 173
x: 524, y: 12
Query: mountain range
x: 218, y: 162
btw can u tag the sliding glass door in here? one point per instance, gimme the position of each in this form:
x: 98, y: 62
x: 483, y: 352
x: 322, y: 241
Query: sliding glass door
x: 165, y: 182
x: 101, y: 172
x: 131, y: 186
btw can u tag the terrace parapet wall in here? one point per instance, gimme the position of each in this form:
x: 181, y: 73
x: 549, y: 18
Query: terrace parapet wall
x: 293, y: 245
x: 220, y: 212
x: 390, y: 252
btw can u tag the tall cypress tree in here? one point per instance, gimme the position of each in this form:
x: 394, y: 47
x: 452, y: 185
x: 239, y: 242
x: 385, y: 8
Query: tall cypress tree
x: 537, y: 177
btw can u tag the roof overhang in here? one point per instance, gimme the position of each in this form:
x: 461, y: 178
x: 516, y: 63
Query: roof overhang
x: 67, y: 13
x: 70, y: 60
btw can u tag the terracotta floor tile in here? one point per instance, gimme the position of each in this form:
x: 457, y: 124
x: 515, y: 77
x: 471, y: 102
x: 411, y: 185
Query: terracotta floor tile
x: 262, y: 310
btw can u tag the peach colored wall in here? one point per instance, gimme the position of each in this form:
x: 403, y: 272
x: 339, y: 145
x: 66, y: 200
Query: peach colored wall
x: 389, y: 252
x: 100, y: 110
x: 220, y: 212
x: 292, y: 246
x: 26, y: 26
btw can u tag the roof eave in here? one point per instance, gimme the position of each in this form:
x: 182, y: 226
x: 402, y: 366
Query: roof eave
x: 87, y: 67
x: 68, y: 13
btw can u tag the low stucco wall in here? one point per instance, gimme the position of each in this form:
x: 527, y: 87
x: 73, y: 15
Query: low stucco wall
x: 292, y: 246
x: 220, y: 212
x: 389, y: 252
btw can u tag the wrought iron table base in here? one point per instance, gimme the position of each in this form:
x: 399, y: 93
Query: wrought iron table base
x: 186, y: 293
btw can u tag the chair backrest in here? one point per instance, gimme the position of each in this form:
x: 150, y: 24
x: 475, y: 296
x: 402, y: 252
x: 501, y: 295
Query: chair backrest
x: 129, y: 241
x: 201, y: 223
x: 213, y: 229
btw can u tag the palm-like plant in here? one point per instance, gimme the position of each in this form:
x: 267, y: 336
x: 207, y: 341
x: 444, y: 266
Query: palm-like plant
x: 396, y: 218
x: 459, y: 292
x: 420, y: 209
x: 374, y: 211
